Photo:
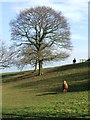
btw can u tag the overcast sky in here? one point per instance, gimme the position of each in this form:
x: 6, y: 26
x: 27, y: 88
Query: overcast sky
x: 76, y: 12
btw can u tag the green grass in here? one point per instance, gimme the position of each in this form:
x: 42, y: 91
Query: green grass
x: 26, y: 95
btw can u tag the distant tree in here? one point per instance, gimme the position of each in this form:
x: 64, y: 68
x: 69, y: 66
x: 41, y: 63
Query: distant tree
x: 6, y: 56
x: 44, y: 32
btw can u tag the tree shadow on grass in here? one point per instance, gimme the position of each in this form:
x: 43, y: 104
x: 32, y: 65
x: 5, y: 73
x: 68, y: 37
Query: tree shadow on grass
x: 69, y: 67
x: 45, y: 118
x: 57, y: 80
x: 61, y: 116
x: 18, y: 77
x: 72, y: 88
x: 83, y: 86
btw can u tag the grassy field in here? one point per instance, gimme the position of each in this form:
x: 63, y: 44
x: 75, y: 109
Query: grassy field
x: 26, y: 95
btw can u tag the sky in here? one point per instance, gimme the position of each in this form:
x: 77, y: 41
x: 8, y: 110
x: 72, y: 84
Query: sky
x: 76, y: 12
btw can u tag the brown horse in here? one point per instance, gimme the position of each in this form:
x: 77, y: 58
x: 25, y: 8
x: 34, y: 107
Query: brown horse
x: 65, y: 86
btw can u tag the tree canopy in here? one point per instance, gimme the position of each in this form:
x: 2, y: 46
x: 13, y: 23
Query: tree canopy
x: 44, y: 33
x: 6, y: 55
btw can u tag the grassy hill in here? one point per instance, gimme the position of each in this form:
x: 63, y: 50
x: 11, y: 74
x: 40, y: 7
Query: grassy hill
x: 26, y: 95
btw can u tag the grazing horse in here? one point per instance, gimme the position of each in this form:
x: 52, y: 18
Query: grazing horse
x: 65, y: 86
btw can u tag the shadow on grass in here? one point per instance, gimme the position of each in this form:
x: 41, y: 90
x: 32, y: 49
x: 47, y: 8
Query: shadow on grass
x: 84, y: 86
x: 72, y: 88
x: 68, y: 67
x: 59, y: 80
x: 61, y: 116
x: 45, y: 118
x: 15, y: 73
x: 28, y: 74
x: 46, y: 93
x: 17, y: 77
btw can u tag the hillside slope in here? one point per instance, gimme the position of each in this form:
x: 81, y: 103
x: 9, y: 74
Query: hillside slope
x: 27, y: 95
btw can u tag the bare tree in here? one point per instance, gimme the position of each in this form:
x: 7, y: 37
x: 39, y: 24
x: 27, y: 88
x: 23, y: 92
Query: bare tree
x: 45, y: 31
x: 27, y: 55
x: 6, y: 56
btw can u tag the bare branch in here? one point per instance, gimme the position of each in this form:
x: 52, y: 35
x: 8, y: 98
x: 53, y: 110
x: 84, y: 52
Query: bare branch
x: 39, y: 29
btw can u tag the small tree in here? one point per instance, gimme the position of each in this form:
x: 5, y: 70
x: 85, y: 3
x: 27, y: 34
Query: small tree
x: 6, y: 56
x: 45, y: 31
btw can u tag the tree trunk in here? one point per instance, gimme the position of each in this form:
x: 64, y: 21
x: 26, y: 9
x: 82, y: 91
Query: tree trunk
x: 35, y: 66
x: 40, y: 67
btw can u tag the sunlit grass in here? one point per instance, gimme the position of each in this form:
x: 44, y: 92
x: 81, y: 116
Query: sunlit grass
x: 28, y: 95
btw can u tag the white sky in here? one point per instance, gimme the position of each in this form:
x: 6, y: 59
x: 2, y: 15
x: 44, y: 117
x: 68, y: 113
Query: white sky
x: 76, y: 12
